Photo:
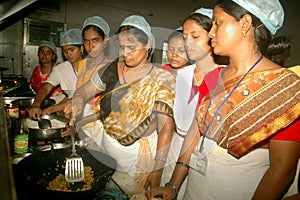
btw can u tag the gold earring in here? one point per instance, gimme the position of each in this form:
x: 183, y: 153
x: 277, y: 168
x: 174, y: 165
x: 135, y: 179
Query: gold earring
x: 244, y: 32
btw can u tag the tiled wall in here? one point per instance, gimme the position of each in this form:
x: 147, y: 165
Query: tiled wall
x: 11, y: 43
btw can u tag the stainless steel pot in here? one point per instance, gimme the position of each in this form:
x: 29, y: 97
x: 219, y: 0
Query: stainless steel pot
x: 47, y: 134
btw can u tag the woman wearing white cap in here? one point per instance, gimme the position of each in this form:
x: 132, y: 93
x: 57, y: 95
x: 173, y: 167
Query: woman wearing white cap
x: 95, y: 33
x: 136, y: 105
x: 47, y: 60
x: 249, y: 146
x: 193, y: 83
x: 64, y: 74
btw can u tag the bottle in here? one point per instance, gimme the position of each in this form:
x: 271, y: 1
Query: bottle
x: 21, y: 141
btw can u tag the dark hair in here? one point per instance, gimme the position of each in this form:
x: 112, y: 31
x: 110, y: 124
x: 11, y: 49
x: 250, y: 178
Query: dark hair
x: 139, y: 34
x: 175, y: 34
x: 202, y: 20
x: 263, y: 36
x: 83, y: 54
x: 279, y: 50
x: 95, y: 28
x: 53, y: 60
x: 98, y: 30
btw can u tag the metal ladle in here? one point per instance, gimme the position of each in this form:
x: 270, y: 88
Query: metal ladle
x: 44, y: 124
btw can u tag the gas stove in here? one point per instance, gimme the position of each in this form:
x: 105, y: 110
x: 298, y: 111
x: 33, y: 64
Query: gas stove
x: 24, y: 90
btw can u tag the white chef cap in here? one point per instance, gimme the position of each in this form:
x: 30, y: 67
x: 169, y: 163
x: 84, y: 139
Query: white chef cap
x: 99, y: 22
x: 205, y: 11
x: 71, y: 37
x: 270, y: 12
x: 49, y: 44
x: 140, y: 23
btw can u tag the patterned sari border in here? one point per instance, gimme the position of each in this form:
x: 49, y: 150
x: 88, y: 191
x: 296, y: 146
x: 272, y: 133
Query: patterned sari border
x: 246, y: 144
x: 273, y: 103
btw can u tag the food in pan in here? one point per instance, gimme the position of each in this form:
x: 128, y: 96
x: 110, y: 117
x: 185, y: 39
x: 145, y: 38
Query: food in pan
x: 60, y: 183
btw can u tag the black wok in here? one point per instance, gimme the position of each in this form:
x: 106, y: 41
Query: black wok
x: 25, y: 103
x: 33, y: 173
x: 37, y: 134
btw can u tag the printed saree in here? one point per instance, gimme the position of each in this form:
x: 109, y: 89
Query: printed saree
x: 128, y: 110
x: 85, y: 74
x: 263, y: 104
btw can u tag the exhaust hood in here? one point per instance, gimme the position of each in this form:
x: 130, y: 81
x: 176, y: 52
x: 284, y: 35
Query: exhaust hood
x: 13, y: 10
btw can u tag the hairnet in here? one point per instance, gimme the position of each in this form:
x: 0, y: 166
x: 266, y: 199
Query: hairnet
x: 99, y: 22
x: 204, y: 11
x: 270, y: 12
x: 49, y: 44
x: 71, y: 37
x: 140, y: 23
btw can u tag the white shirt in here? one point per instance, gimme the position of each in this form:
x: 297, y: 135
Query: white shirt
x: 184, y: 108
x: 65, y: 75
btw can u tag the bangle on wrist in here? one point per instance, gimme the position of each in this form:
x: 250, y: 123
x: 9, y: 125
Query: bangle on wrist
x: 183, y: 164
x: 173, y: 187
x: 161, y: 159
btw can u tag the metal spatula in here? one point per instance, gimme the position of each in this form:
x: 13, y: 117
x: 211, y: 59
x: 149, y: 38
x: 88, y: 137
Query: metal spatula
x: 74, y: 170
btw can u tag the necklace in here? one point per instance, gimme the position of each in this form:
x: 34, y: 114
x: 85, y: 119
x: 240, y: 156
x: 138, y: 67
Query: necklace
x: 123, y: 75
x: 224, y: 101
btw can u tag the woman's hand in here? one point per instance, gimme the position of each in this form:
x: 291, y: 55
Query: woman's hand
x: 48, y: 111
x: 153, y: 179
x: 34, y: 112
x: 65, y: 132
x: 166, y: 193
x: 74, y: 108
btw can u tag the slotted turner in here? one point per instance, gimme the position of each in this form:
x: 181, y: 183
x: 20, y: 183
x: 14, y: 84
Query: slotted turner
x: 74, y: 170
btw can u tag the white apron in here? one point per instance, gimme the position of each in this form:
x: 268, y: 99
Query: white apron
x: 228, y: 177
x: 184, y: 112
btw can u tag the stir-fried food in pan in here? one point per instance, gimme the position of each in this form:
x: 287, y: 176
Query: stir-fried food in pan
x: 60, y: 183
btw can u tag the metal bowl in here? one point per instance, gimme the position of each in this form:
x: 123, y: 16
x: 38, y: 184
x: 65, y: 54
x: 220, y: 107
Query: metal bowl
x: 44, y: 134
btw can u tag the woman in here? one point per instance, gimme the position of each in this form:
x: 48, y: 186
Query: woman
x: 47, y: 60
x: 251, y: 146
x: 95, y: 32
x: 136, y: 105
x: 64, y: 74
x: 176, y: 53
x: 71, y: 43
x: 191, y: 87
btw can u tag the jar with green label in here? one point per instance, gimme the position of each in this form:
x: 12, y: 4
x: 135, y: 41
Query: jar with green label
x: 21, y: 142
